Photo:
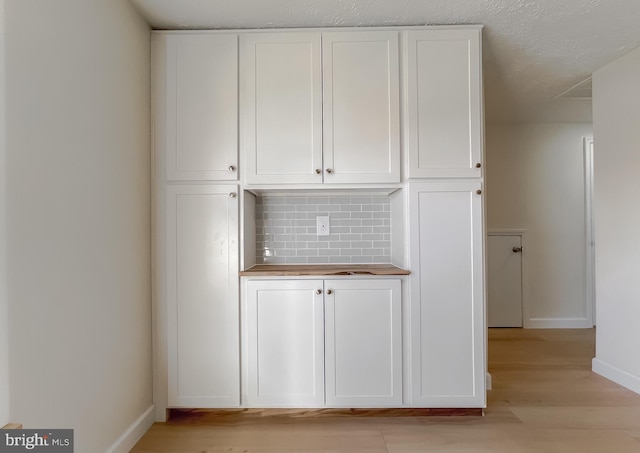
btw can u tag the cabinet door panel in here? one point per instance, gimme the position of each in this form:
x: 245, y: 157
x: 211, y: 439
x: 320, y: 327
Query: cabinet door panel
x: 447, y: 307
x: 364, y: 343
x: 361, y: 107
x: 202, y: 296
x: 444, y: 97
x: 202, y: 107
x: 282, y: 107
x: 285, y: 343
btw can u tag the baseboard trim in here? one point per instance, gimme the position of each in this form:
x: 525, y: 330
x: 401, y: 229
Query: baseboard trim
x: 616, y: 375
x: 191, y: 415
x: 558, y: 323
x: 134, y: 432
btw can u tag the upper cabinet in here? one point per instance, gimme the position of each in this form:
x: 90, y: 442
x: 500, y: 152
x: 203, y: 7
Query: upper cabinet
x: 444, y: 99
x: 281, y: 88
x: 201, y: 118
x: 320, y: 107
x: 361, y: 113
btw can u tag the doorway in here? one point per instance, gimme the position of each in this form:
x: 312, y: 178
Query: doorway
x: 589, y: 233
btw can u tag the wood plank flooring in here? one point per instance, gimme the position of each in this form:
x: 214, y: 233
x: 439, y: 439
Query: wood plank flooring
x: 544, y: 399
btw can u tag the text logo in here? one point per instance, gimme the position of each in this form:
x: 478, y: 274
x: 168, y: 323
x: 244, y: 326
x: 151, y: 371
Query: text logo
x: 36, y: 441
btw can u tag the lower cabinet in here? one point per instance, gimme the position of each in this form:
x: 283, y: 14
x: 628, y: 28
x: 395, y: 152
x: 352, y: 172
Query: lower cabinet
x: 285, y: 342
x: 447, y: 295
x: 202, y: 296
x: 323, y: 343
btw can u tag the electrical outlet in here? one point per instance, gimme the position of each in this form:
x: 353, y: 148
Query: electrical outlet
x: 322, y: 224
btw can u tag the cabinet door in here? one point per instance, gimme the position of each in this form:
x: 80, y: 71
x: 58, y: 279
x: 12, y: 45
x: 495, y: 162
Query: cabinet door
x: 363, y: 343
x: 284, y: 343
x: 447, y: 295
x: 445, y: 106
x: 202, y: 296
x: 281, y: 90
x: 361, y: 107
x: 202, y: 107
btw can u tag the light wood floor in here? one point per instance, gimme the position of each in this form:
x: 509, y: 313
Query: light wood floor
x: 544, y: 399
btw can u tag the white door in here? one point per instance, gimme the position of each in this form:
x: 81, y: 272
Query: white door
x: 504, y: 281
x: 447, y: 289
x: 361, y: 107
x: 281, y: 96
x: 363, y: 343
x: 445, y: 103
x: 202, y: 107
x: 285, y: 343
x: 202, y: 296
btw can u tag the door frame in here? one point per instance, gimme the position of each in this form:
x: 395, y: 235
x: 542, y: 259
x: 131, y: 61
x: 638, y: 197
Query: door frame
x: 589, y: 229
x: 522, y: 233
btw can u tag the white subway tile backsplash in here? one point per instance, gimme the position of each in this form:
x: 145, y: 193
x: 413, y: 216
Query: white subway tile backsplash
x: 363, y: 259
x: 318, y: 260
x: 350, y: 237
x: 329, y: 252
x: 286, y: 229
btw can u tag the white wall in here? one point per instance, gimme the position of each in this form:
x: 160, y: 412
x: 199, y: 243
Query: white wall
x: 535, y: 181
x: 78, y: 216
x: 616, y: 116
x: 4, y: 306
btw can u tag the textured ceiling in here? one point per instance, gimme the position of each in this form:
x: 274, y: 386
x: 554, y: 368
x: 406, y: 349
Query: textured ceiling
x: 534, y: 50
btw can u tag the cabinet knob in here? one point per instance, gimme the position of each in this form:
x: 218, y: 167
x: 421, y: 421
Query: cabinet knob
x: 329, y: 291
x: 318, y: 292
x: 233, y: 195
x: 232, y: 168
x: 478, y: 165
x: 329, y: 171
x: 517, y: 250
x: 318, y: 171
x: 479, y: 192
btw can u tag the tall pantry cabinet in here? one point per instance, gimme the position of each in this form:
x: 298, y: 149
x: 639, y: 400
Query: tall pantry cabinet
x: 319, y: 110
x: 446, y: 239
x: 197, y: 316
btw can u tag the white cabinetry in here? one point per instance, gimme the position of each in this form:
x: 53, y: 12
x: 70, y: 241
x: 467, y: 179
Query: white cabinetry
x: 447, y: 308
x: 281, y: 87
x: 309, y: 338
x: 202, y: 296
x: 200, y: 127
x: 361, y: 107
x: 444, y: 102
x: 363, y: 332
x: 285, y: 343
x: 320, y: 108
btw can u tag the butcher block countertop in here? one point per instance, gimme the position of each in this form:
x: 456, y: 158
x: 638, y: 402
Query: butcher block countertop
x: 321, y: 270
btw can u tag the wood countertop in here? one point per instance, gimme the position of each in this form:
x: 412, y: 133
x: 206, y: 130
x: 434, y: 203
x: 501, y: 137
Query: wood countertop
x: 321, y: 270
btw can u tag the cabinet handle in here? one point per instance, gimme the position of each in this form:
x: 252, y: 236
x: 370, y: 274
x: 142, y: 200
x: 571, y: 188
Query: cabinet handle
x: 329, y: 171
x: 517, y: 250
x: 478, y: 165
x: 329, y: 291
x: 479, y: 192
x: 318, y: 171
x: 318, y: 292
x: 232, y: 168
x: 233, y: 195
